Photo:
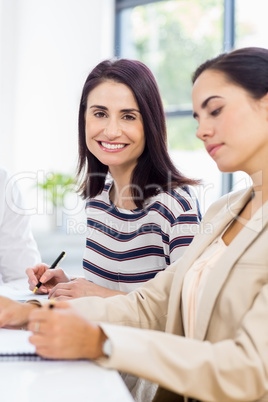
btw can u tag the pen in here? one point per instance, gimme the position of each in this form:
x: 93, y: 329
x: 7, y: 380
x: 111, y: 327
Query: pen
x: 51, y: 303
x: 55, y: 263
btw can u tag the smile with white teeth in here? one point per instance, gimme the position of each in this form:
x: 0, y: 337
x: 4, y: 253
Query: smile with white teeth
x: 112, y: 146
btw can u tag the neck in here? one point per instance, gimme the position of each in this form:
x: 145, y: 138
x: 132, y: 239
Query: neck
x: 120, y: 193
x: 260, y: 185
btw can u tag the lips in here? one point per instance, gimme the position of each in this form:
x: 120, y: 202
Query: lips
x: 213, y: 148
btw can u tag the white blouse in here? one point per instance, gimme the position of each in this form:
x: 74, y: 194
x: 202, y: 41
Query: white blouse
x: 195, y: 280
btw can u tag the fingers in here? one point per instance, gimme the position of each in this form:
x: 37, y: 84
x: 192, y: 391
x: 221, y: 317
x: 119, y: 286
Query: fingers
x: 34, y: 274
x: 62, y: 289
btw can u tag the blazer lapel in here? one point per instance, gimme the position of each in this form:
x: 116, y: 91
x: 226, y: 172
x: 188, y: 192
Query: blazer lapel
x: 219, y: 273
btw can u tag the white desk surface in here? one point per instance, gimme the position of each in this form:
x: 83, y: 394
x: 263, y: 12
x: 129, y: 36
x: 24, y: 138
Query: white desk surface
x: 59, y: 381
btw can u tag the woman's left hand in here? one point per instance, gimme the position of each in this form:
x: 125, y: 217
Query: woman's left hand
x: 80, y: 287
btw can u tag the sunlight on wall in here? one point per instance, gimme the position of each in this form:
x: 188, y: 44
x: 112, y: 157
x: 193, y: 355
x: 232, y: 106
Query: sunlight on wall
x: 47, y: 49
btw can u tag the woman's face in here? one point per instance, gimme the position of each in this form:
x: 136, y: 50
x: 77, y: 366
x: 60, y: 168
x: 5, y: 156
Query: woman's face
x: 232, y: 125
x: 114, y: 126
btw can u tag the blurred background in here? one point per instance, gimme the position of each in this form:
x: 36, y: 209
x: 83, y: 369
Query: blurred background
x: 48, y: 47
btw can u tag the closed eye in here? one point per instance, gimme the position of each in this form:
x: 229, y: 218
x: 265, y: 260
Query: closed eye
x: 216, y: 112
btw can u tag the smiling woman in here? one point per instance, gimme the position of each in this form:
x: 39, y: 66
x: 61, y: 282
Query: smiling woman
x: 141, y: 211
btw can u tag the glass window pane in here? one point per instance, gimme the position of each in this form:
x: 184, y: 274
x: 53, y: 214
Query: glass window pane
x: 172, y: 38
x: 251, y: 23
x: 181, y: 133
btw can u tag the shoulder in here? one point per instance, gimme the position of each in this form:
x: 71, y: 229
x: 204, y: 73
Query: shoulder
x: 8, y: 185
x: 228, y: 202
x: 178, y: 201
x: 3, y: 176
x: 103, y: 196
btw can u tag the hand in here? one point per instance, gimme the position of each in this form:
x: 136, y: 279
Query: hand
x: 14, y: 314
x: 48, y: 277
x: 80, y: 287
x: 63, y: 334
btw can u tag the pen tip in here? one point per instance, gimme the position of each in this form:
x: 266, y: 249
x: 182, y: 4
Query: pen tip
x: 35, y: 289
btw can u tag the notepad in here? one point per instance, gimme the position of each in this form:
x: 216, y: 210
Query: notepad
x: 15, y: 345
x: 19, y: 294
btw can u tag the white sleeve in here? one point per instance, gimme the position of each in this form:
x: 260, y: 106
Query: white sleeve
x: 18, y: 249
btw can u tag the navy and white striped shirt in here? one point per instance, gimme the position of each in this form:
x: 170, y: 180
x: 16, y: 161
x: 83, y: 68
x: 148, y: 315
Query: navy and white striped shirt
x: 127, y: 247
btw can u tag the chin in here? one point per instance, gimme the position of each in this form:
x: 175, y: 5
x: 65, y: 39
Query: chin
x: 226, y: 168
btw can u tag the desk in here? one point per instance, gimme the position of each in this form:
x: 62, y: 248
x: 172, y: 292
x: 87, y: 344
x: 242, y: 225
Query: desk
x: 59, y: 381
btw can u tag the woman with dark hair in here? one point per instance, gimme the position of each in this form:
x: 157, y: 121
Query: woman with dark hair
x: 200, y: 327
x: 141, y: 212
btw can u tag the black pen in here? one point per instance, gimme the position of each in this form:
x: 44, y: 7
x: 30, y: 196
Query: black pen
x: 55, y: 263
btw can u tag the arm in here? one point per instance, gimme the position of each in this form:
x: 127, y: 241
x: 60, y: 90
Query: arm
x: 14, y: 314
x: 71, y: 333
x: 18, y: 248
x: 182, y: 230
x: 146, y: 307
x: 230, y: 370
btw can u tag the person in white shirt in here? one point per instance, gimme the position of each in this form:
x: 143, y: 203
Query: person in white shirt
x: 18, y: 249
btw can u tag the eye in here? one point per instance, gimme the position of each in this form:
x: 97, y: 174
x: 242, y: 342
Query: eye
x: 216, y: 112
x: 129, y: 117
x: 99, y: 114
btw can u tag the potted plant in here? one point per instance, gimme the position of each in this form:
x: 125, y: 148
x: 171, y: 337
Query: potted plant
x: 56, y: 187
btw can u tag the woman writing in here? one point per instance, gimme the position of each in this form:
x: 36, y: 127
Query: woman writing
x: 141, y: 214
x: 200, y: 326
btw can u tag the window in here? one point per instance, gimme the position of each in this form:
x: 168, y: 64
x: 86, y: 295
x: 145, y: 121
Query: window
x: 172, y: 38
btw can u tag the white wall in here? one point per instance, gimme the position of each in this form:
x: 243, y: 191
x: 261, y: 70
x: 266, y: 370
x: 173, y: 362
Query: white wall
x: 47, y: 48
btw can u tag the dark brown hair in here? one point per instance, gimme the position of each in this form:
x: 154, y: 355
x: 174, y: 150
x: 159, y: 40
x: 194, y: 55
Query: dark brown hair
x: 246, y: 67
x: 154, y: 169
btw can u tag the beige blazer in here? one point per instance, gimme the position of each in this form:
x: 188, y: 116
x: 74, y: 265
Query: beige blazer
x: 228, y: 358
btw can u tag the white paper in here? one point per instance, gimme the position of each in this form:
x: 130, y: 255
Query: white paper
x: 15, y: 342
x: 19, y: 294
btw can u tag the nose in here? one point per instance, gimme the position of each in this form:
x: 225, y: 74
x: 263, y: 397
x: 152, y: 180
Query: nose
x: 112, y: 130
x: 204, y: 130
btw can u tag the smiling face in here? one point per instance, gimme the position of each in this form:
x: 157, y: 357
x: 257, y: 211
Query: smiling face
x: 232, y: 125
x: 114, y: 126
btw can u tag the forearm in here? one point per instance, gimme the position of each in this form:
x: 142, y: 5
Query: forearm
x: 178, y: 363
x: 145, y: 307
x: 14, y: 314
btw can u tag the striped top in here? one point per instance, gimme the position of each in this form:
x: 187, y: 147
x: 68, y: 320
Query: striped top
x: 127, y: 247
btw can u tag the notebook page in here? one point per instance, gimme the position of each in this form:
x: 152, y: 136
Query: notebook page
x: 15, y: 342
x: 19, y: 294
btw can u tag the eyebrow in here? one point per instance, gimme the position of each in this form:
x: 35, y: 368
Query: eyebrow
x: 122, y: 110
x: 205, y: 103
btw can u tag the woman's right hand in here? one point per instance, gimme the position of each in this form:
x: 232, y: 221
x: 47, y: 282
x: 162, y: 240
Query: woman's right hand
x: 48, y: 277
